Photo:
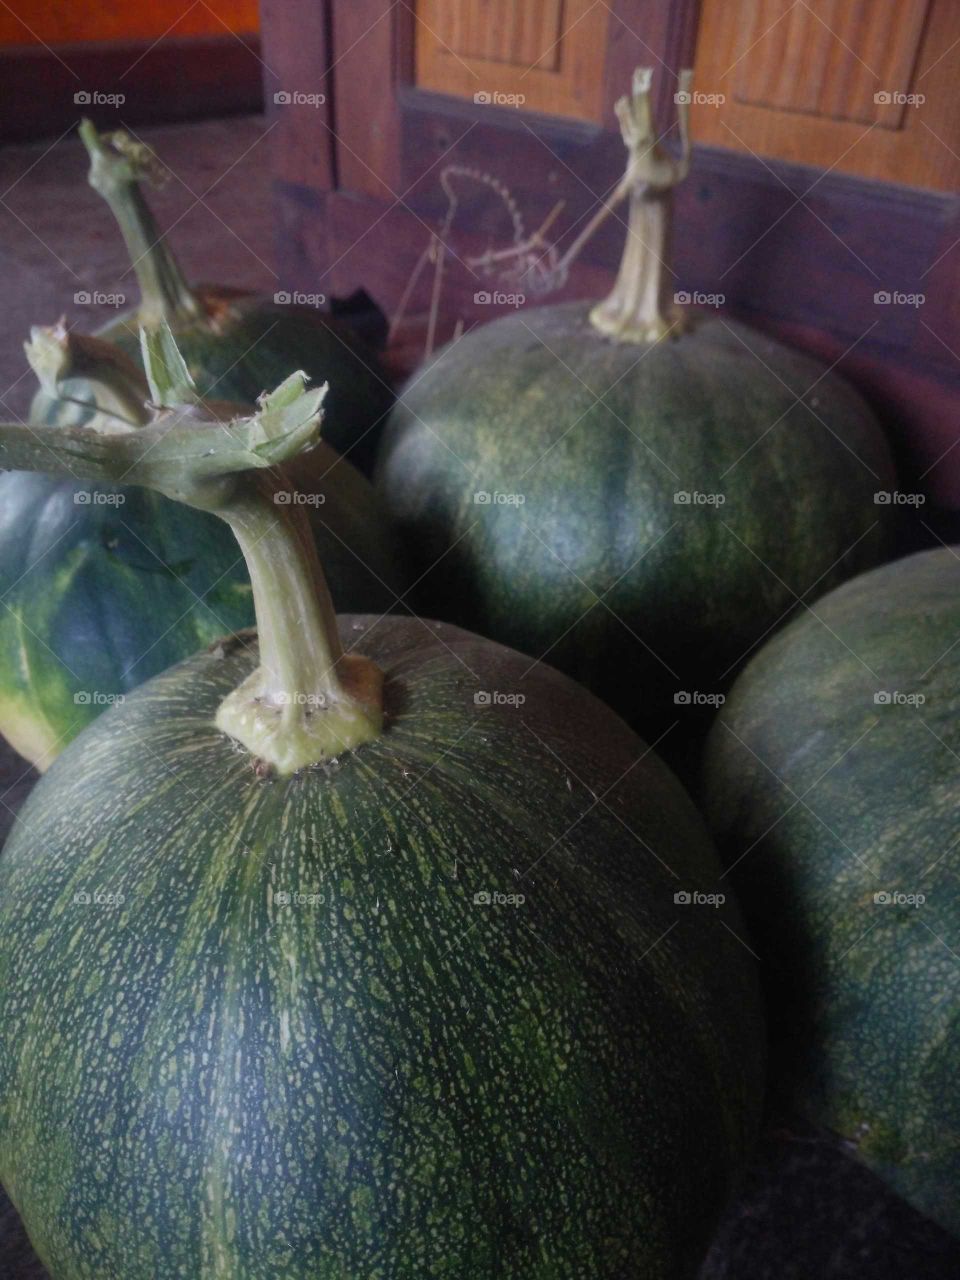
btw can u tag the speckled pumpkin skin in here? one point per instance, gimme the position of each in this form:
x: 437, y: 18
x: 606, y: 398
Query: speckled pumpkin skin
x: 100, y: 596
x: 825, y: 797
x: 248, y: 346
x: 599, y: 570
x: 393, y: 1080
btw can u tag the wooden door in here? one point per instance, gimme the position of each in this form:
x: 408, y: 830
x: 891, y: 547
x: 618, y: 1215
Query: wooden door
x: 819, y: 182
x: 502, y: 107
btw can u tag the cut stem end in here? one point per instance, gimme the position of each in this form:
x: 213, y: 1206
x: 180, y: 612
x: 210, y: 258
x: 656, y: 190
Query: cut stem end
x: 294, y: 732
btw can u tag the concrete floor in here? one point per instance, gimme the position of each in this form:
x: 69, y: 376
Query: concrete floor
x: 806, y: 1211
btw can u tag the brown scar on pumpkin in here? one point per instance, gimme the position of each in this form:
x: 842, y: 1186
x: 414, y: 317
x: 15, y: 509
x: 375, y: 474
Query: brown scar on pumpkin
x: 226, y: 645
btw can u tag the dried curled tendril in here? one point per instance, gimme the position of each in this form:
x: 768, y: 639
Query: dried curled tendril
x: 532, y: 263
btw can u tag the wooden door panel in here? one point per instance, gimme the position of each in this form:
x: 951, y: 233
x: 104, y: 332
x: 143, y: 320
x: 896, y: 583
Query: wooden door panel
x: 541, y: 55
x: 527, y: 35
x: 829, y: 61
x: 862, y: 86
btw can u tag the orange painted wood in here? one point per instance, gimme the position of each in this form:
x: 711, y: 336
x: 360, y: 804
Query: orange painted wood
x: 542, y: 55
x: 830, y: 58
x: 54, y: 22
x: 522, y: 34
x: 866, y: 87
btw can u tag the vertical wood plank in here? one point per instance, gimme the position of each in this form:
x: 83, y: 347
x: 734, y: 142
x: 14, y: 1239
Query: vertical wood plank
x: 373, y: 56
x: 654, y: 33
x: 296, y: 58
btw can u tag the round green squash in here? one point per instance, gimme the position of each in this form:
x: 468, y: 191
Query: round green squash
x: 423, y: 998
x: 235, y: 343
x: 833, y: 784
x: 634, y: 495
x: 104, y: 587
x: 383, y: 1074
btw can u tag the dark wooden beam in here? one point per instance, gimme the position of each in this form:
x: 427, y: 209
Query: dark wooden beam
x: 44, y: 91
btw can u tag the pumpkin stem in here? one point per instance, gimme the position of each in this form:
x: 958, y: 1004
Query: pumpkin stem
x: 307, y: 701
x: 119, y: 387
x: 118, y: 163
x: 640, y: 307
x: 168, y: 377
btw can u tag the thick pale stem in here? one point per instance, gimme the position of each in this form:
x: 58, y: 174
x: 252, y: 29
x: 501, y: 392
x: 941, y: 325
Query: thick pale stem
x: 117, y: 165
x: 640, y: 306
x: 179, y: 454
x: 118, y: 386
x: 307, y: 701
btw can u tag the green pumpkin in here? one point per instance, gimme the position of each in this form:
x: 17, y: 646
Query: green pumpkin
x: 417, y: 1002
x: 101, y: 595
x: 832, y: 783
x: 235, y: 343
x: 106, y: 587
x: 631, y: 495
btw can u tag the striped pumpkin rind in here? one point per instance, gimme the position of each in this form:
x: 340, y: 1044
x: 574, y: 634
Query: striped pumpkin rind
x: 584, y: 551
x: 833, y: 782
x: 388, y: 1076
